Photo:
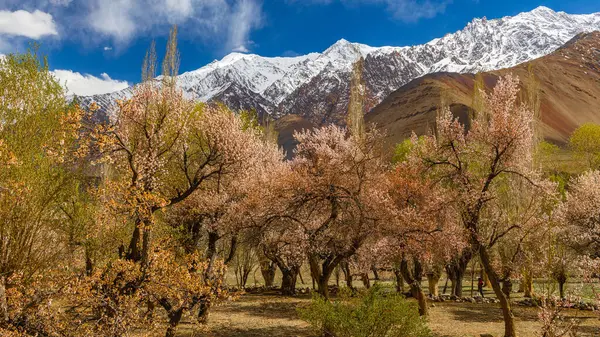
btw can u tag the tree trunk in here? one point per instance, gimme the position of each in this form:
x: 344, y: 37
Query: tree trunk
x: 507, y: 287
x: 3, y: 302
x: 150, y: 310
x: 375, y: 272
x: 133, y: 253
x: 561, y: 288
x: 414, y: 281
x: 288, y: 281
x: 321, y: 273
x: 194, y: 231
x: 211, y: 254
x: 89, y: 264
x: 433, y: 279
x: 399, y: 281
x: 245, y: 274
x: 321, y: 270
x: 203, y: 308
x: 232, y: 250
x: 446, y: 284
x: 509, y: 321
x: 528, y: 285
x: 136, y: 253
x: 268, y: 269
x: 347, y: 274
x: 145, y: 246
x: 323, y: 286
x: 450, y: 271
x: 561, y: 278
x: 365, y: 280
x: 174, y: 319
x: 457, y: 268
x: 458, y: 282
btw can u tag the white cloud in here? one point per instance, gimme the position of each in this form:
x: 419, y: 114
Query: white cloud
x: 224, y: 20
x: 118, y: 22
x: 33, y: 25
x: 108, y: 48
x: 86, y: 85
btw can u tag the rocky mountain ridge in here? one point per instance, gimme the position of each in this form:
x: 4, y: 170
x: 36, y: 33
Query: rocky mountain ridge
x: 566, y: 81
x: 316, y: 86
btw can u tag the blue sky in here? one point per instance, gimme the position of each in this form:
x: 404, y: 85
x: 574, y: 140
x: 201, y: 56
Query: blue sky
x: 101, y: 43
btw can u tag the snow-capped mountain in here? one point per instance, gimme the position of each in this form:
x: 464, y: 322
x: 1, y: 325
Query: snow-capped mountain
x: 317, y: 85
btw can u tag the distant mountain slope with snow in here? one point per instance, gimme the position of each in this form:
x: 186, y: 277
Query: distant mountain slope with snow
x: 568, y: 82
x: 316, y: 85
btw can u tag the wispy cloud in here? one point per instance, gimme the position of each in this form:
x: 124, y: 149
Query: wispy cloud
x: 403, y: 10
x: 412, y: 11
x: 108, y: 48
x: 246, y: 16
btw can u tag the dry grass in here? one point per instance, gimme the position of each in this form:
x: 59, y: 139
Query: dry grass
x: 274, y: 316
x: 467, y: 319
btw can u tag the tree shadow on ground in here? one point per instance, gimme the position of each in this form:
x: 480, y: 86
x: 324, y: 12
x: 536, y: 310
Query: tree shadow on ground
x: 275, y: 331
x: 468, y: 312
x: 491, y: 313
x: 266, y: 306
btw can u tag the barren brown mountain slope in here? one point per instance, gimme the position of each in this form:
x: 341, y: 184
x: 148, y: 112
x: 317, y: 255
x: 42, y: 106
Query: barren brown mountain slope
x: 569, y: 89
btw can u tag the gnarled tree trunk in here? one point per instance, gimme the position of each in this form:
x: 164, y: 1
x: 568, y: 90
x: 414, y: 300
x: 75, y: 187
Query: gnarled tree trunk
x: 399, y: 280
x: 322, y: 272
x: 413, y: 278
x: 288, y: 280
x: 268, y: 269
x: 347, y: 274
x: 509, y: 319
x: 456, y: 270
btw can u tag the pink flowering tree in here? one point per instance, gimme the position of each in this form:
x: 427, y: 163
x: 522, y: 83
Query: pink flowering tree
x: 579, y: 233
x: 581, y: 213
x: 331, y: 200
x: 493, y: 157
x: 422, y: 232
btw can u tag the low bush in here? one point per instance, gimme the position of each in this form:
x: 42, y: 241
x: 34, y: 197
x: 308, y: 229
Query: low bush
x: 373, y: 313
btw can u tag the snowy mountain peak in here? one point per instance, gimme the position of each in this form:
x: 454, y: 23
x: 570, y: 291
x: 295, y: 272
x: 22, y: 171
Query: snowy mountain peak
x: 346, y: 47
x: 232, y: 58
x: 542, y: 9
x: 317, y: 85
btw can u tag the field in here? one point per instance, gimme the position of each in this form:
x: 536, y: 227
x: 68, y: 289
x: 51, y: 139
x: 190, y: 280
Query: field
x: 272, y: 315
x: 275, y: 316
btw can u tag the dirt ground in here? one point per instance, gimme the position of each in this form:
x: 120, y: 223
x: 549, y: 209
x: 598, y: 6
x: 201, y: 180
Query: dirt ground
x: 275, y: 316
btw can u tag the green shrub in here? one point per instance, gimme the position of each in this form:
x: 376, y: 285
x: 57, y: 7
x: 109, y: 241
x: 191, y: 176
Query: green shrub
x: 372, y: 314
